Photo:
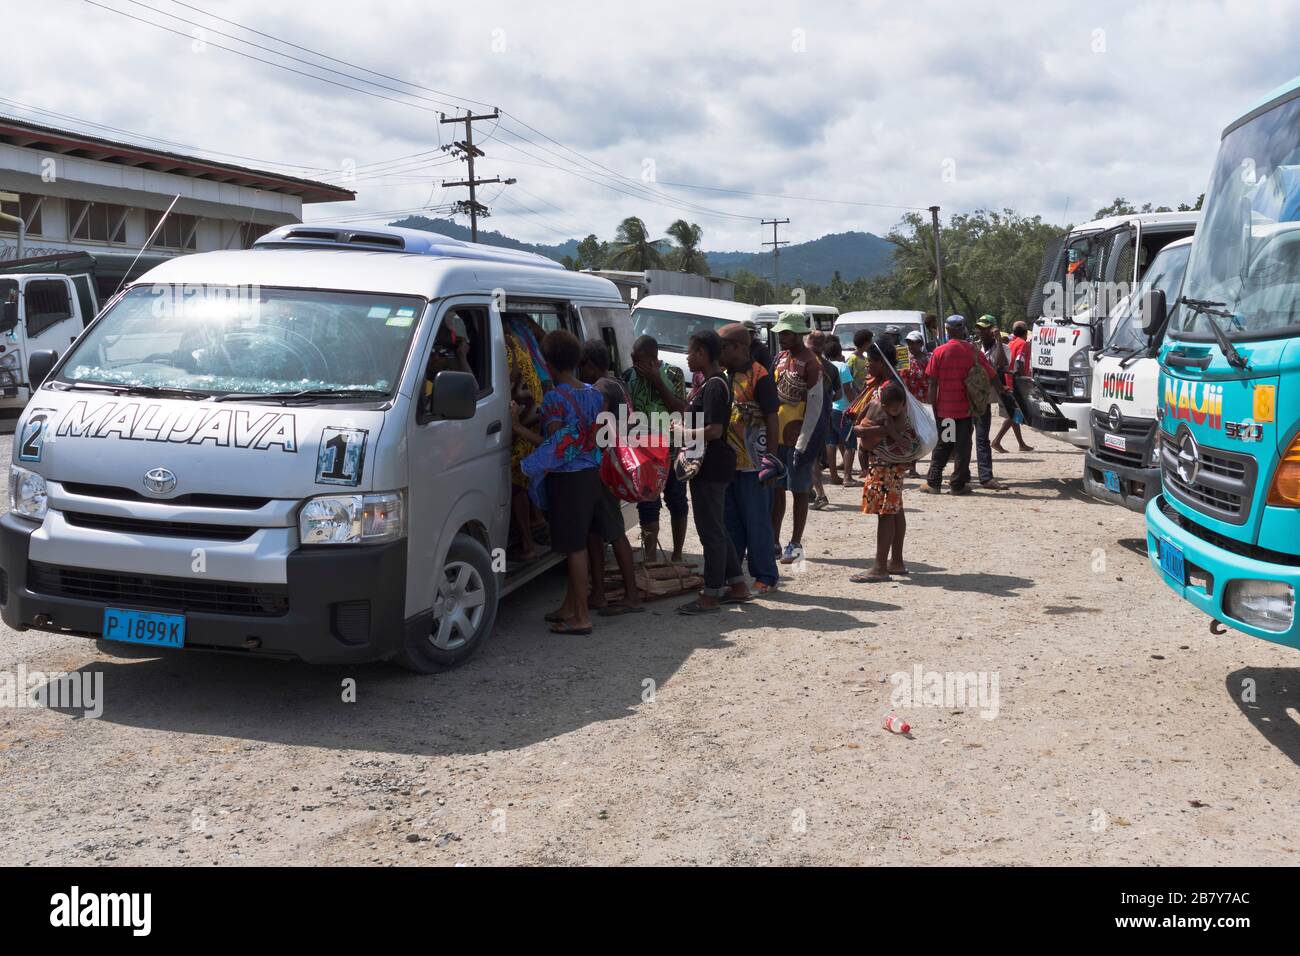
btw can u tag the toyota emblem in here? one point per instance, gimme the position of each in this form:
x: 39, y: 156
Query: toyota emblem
x: 1188, y: 458
x: 1115, y: 419
x: 160, y: 481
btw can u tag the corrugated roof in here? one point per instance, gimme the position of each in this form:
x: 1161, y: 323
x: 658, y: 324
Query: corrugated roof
x: 19, y: 132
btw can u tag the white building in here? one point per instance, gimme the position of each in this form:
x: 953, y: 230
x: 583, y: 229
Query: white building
x: 80, y: 193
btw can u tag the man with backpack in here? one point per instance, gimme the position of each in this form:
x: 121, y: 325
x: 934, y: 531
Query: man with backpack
x: 955, y: 371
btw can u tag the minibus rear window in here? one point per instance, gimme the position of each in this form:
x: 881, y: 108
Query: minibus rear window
x: 673, y: 330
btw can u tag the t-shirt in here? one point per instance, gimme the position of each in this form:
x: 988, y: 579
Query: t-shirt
x: 799, y: 385
x: 576, y: 410
x: 857, y: 368
x: 948, y: 366
x: 846, y: 378
x: 712, y: 400
x: 753, y: 398
x: 1019, y: 350
x: 645, y: 398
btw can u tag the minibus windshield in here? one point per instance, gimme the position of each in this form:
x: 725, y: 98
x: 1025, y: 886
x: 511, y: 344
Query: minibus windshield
x: 673, y: 330
x: 214, y: 340
x: 1244, y: 273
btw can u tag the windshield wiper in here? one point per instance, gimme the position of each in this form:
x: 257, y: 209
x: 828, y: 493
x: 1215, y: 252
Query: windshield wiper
x: 304, y: 395
x: 1210, y: 308
x: 153, y: 391
x: 1128, y: 355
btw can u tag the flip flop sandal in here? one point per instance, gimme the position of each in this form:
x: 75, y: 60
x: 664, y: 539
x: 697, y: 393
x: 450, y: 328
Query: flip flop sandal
x: 736, y: 600
x: 694, y: 607
x: 570, y: 630
x: 618, y: 610
x: 862, y: 577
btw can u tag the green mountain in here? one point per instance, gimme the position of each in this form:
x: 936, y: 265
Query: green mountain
x: 851, y: 254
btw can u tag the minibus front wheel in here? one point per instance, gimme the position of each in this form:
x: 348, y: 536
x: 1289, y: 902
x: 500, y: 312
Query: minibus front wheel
x: 464, y: 610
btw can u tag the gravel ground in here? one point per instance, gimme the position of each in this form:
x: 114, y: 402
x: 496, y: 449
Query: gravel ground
x: 1118, y: 733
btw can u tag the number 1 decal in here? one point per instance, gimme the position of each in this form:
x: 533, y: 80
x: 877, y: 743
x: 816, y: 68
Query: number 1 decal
x: 342, y: 456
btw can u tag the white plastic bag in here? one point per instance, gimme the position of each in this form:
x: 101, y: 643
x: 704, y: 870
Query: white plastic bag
x: 922, y: 419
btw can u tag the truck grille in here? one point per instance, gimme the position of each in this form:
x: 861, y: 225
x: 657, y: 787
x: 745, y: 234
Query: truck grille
x: 111, y: 587
x: 1055, y: 384
x: 1223, y: 487
x: 1138, y: 434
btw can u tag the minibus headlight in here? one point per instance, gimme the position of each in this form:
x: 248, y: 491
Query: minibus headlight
x: 1285, y: 489
x: 352, y: 519
x: 1268, y: 605
x: 27, y: 493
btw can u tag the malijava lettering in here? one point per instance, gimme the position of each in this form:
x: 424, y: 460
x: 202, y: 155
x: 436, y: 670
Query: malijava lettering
x: 180, y: 424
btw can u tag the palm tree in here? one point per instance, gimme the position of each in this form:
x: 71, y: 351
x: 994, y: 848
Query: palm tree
x: 633, y: 249
x: 687, y: 257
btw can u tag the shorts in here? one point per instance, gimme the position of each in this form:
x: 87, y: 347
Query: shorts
x: 841, y: 432
x: 575, y: 510
x: 674, y: 496
x: 882, y: 488
x: 797, y: 480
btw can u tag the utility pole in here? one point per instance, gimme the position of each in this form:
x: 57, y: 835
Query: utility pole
x: 469, y: 151
x: 938, y: 271
x: 776, y: 245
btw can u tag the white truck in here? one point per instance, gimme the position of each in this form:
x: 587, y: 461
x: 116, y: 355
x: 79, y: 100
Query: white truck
x: 1122, y: 465
x: 1084, y: 277
x: 37, y: 312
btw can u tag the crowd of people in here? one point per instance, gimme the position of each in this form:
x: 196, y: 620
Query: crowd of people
x: 753, y: 438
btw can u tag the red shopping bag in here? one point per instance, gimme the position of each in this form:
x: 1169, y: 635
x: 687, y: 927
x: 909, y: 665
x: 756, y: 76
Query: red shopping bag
x: 636, y: 472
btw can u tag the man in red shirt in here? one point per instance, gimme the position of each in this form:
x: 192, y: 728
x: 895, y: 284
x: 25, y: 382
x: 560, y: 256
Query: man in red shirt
x: 952, y: 411
x: 1019, y: 348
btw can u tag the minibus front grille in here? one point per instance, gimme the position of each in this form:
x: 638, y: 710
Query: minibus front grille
x: 162, y: 529
x: 117, y: 493
x: 145, y: 590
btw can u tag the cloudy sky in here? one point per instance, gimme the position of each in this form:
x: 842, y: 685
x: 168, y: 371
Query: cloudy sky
x: 839, y: 113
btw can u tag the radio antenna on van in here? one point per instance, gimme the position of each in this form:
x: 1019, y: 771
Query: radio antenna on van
x: 161, y: 219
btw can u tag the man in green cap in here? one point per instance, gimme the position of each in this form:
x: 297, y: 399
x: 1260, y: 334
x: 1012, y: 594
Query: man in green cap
x: 800, y: 387
x: 990, y: 339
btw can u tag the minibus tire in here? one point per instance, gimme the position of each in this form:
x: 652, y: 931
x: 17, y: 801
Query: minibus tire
x: 467, y: 557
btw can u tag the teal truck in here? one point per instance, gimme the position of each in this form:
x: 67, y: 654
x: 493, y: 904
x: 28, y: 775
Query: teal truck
x: 1224, y: 532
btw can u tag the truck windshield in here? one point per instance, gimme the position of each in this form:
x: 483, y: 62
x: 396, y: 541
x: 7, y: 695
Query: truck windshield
x: 1165, y: 274
x: 217, y: 340
x: 1244, y: 273
x: 672, y: 330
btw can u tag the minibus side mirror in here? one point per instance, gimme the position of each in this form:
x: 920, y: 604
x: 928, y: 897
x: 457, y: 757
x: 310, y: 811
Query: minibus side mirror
x: 455, y: 396
x: 9, y: 317
x: 38, y: 367
x: 1153, y: 311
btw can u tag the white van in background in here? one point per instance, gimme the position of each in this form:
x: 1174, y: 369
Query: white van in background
x: 671, y: 319
x: 37, y: 312
x: 877, y: 320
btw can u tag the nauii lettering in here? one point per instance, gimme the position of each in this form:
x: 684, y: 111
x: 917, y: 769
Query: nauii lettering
x: 180, y: 424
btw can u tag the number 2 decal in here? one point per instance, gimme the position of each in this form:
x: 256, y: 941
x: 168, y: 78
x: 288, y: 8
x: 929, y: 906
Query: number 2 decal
x: 342, y: 456
x: 32, y: 441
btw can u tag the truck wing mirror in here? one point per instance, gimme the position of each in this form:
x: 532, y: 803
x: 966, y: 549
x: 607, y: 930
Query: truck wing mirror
x: 455, y: 395
x: 9, y: 317
x: 1154, y: 311
x: 38, y: 367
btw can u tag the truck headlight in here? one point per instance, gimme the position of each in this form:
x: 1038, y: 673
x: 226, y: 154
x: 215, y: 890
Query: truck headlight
x: 1080, y: 374
x: 1268, y: 605
x: 27, y: 494
x: 352, y: 519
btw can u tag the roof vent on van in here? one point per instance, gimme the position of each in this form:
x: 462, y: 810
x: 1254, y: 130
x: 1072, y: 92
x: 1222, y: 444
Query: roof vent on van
x: 395, y: 239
